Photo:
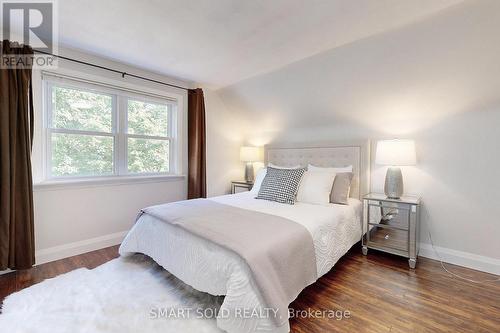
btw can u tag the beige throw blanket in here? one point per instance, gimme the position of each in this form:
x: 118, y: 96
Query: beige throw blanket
x: 279, y: 252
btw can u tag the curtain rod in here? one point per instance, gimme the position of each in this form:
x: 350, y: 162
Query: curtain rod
x: 123, y: 74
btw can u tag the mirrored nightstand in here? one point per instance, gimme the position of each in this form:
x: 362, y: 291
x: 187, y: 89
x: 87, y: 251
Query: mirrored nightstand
x: 238, y: 186
x: 392, y: 225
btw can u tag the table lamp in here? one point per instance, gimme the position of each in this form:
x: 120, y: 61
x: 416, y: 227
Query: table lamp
x: 249, y: 155
x: 395, y: 153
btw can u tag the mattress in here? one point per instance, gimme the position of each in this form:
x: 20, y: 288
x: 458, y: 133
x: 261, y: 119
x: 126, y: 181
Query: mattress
x: 210, y: 268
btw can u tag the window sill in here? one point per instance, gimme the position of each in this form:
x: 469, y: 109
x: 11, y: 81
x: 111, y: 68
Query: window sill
x: 107, y: 181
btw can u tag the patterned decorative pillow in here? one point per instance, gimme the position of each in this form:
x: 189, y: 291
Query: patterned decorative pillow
x: 281, y: 185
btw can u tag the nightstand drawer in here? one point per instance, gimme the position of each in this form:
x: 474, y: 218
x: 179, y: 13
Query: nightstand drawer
x: 392, y: 225
x: 385, y: 238
x: 238, y: 186
x: 390, y: 214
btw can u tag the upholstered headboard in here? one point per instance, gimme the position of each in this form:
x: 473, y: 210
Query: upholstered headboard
x: 327, y: 154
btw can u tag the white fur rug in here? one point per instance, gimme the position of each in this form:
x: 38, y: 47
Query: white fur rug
x: 122, y: 295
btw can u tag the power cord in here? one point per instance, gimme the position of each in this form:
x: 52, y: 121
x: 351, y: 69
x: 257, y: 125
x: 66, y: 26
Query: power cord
x: 454, y: 274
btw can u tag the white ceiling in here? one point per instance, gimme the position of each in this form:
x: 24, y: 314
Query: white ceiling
x: 220, y: 42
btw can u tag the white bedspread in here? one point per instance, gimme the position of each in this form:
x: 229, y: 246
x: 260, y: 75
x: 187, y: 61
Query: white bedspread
x: 218, y: 271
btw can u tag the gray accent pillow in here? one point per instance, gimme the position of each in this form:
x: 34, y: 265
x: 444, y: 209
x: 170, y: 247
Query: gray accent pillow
x: 341, y: 188
x: 280, y: 185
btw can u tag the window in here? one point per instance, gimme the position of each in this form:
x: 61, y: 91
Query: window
x: 96, y: 131
x: 148, y: 143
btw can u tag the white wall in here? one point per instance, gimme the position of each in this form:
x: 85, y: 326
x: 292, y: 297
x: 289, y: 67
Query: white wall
x: 79, y: 218
x: 436, y: 81
x: 224, y: 139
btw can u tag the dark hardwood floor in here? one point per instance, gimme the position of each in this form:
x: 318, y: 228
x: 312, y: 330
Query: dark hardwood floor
x: 379, y: 292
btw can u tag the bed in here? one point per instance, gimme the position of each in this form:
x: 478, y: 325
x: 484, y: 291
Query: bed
x: 211, y: 268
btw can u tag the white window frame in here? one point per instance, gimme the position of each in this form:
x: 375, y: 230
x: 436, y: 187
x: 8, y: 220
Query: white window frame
x: 120, y: 97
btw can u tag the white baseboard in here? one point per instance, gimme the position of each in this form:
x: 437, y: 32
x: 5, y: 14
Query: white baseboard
x: 465, y: 259
x: 75, y: 248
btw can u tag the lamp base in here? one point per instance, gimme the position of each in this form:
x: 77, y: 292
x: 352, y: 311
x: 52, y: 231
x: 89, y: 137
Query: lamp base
x: 249, y: 172
x: 393, y: 188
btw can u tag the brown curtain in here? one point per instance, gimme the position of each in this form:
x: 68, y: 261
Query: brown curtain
x: 197, y: 183
x: 17, y: 245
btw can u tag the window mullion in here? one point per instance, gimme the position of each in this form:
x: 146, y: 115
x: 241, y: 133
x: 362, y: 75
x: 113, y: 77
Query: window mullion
x: 116, y: 141
x: 79, y: 132
x: 150, y: 137
x: 121, y: 135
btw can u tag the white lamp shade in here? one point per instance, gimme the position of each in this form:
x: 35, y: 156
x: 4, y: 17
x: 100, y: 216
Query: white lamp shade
x: 396, y: 152
x: 250, y: 154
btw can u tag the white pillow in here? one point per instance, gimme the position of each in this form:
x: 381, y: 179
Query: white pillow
x: 315, y: 187
x: 311, y: 167
x: 261, y: 174
x: 282, y: 167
